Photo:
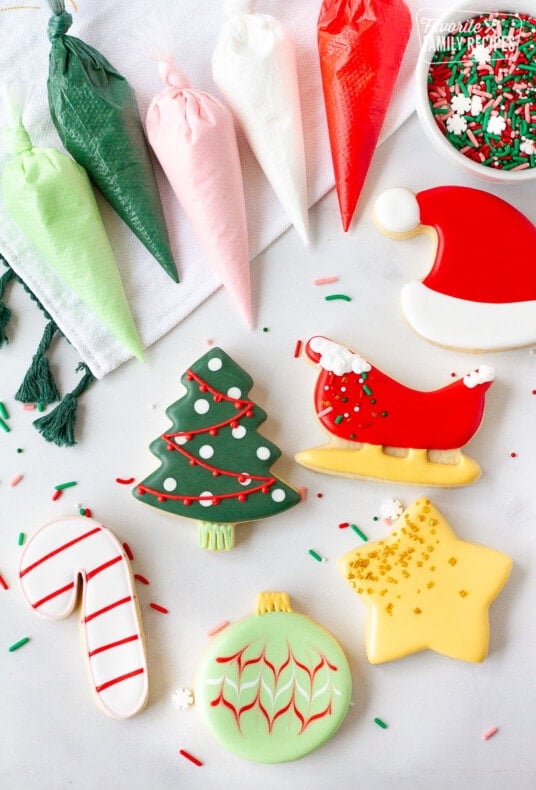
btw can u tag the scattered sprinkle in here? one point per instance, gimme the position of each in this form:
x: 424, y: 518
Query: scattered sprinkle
x: 265, y: 329
x: 3, y: 411
x: 303, y: 493
x: 325, y: 280
x: 140, y: 578
x: 125, y: 481
x: 4, y: 426
x: 218, y: 628
x: 315, y: 555
x: 182, y: 698
x: 15, y: 480
x: 319, y: 495
x: 513, y: 455
x: 40, y: 407
x: 391, y: 509
x: 128, y: 551
x: 489, y: 733
x: 28, y: 406
x: 357, y: 531
x: 341, y: 297
x: 21, y: 538
x: 324, y: 411
x: 20, y: 450
x: 18, y: 644
x: 344, y: 524
x: 63, y: 486
x: 380, y: 723
x: 56, y: 495
x: 297, y: 348
x: 209, y: 341
x: 3, y: 583
x: 190, y: 757
x: 158, y: 608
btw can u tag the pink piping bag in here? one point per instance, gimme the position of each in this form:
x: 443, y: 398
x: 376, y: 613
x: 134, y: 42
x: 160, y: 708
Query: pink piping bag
x: 254, y: 66
x: 193, y: 137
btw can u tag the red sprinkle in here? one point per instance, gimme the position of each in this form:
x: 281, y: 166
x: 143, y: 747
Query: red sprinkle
x: 159, y: 608
x: 344, y: 524
x: 319, y: 495
x: 125, y: 481
x: 3, y: 583
x: 56, y: 495
x: 190, y: 757
x: 87, y: 512
x: 513, y: 455
x: 128, y: 551
x: 297, y: 348
x: 140, y: 578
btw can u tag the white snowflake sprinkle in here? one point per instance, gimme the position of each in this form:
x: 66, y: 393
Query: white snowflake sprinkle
x: 481, y: 54
x: 391, y: 509
x: 460, y: 103
x: 182, y: 698
x: 528, y: 147
x: 496, y: 125
x: 456, y: 124
x: 476, y: 105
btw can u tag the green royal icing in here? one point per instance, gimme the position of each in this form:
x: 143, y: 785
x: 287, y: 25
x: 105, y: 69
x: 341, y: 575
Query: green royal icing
x: 217, y: 467
x: 273, y: 687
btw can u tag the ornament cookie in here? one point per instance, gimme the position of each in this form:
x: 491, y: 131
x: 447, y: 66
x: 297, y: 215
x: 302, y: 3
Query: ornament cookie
x: 274, y: 686
x: 480, y: 294
x: 382, y: 429
x: 215, y: 467
x: 425, y: 588
x: 52, y: 563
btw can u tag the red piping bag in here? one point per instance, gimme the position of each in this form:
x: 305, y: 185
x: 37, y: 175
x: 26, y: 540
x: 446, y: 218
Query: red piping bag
x: 361, y: 44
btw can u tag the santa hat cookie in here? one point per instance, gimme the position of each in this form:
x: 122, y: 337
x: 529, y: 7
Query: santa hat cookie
x: 467, y: 301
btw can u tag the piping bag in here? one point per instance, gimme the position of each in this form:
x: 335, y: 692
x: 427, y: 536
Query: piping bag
x: 51, y: 200
x: 254, y: 67
x: 192, y: 134
x: 361, y: 44
x: 95, y: 112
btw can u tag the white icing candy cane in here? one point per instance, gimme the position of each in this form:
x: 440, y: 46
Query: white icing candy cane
x: 54, y: 561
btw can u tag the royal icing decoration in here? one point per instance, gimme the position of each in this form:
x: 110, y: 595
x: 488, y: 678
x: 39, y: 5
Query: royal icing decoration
x: 215, y: 466
x: 274, y: 686
x: 480, y: 293
x: 424, y: 588
x: 382, y: 429
x: 74, y: 551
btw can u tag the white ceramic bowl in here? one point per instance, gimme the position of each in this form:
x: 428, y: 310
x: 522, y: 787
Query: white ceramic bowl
x: 460, y: 13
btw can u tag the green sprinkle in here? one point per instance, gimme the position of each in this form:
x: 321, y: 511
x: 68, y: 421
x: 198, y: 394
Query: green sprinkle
x: 40, y: 407
x: 332, y: 297
x: 380, y: 723
x: 3, y: 411
x: 338, y: 419
x: 375, y: 518
x: 18, y: 644
x: 265, y: 329
x: 62, y: 486
x: 4, y: 426
x: 20, y: 450
x: 367, y: 390
x: 316, y: 556
x: 22, y: 538
x: 82, y: 511
x: 357, y: 531
x: 384, y: 413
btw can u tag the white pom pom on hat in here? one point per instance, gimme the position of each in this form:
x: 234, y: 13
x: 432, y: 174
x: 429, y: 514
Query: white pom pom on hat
x: 397, y: 211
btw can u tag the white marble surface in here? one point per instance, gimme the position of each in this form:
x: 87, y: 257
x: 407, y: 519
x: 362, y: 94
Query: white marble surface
x: 54, y: 737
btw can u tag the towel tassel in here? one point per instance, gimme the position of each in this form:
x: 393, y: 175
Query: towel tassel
x: 59, y: 425
x: 5, y: 312
x: 38, y: 385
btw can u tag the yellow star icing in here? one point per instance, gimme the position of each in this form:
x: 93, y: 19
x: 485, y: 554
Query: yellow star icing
x: 426, y: 588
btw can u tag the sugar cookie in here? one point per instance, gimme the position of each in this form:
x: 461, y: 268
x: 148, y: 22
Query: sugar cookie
x: 53, y: 561
x: 426, y: 588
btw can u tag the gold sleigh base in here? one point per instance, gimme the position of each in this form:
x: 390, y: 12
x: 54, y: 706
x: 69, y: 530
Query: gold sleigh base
x: 399, y: 465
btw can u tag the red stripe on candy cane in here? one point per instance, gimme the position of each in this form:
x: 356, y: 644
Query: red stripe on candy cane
x: 103, y: 567
x: 99, y: 612
x: 61, y: 548
x: 111, y: 645
x: 52, y: 595
x: 119, y: 679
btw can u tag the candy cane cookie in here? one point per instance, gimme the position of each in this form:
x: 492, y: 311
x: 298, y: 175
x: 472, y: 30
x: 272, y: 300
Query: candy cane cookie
x: 73, y: 550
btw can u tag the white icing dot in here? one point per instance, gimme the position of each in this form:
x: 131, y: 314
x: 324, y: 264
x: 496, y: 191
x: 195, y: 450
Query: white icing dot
x: 356, y: 408
x: 180, y: 439
x: 169, y: 484
x: 244, y: 480
x: 206, y: 451
x: 234, y: 392
x: 201, y: 406
x: 343, y: 389
x: 326, y: 386
x: 206, y: 502
x: 263, y: 453
x: 278, y: 495
x: 239, y: 433
x: 215, y: 364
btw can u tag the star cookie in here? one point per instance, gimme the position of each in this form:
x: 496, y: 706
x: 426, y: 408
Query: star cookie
x: 426, y: 588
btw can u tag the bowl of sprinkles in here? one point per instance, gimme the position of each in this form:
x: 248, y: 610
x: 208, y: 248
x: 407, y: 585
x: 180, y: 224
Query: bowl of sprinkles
x: 476, y: 89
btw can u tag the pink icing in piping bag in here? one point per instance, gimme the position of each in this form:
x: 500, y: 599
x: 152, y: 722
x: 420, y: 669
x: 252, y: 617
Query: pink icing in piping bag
x: 193, y: 137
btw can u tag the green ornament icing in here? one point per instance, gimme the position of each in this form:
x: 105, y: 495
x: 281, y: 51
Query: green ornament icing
x: 273, y: 687
x: 215, y: 466
x: 95, y: 112
x: 50, y: 198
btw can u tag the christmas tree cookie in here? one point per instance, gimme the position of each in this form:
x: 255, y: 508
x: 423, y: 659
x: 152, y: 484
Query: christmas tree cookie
x: 273, y: 686
x: 215, y: 466
x: 382, y: 429
x: 426, y: 588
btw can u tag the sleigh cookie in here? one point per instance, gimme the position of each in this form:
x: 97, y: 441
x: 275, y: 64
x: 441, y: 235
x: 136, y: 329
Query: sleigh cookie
x: 382, y: 429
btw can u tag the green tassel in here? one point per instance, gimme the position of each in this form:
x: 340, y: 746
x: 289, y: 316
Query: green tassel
x: 59, y: 425
x: 5, y: 312
x: 38, y: 385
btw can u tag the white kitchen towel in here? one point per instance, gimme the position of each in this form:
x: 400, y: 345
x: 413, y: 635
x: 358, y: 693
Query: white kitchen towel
x: 157, y: 304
